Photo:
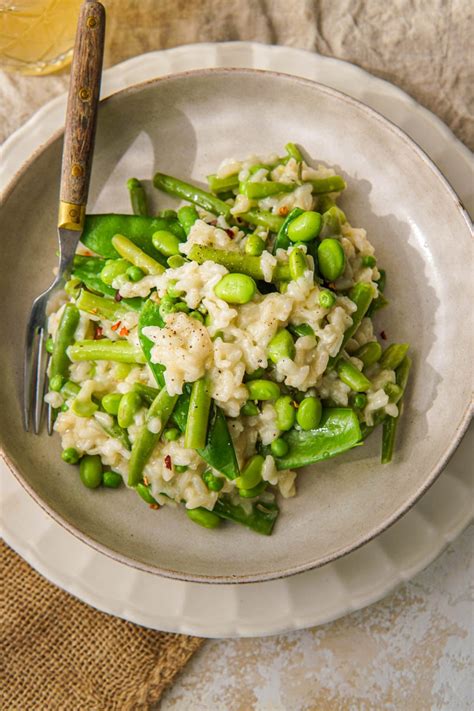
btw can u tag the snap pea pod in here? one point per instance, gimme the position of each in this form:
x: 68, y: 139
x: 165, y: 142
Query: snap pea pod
x: 337, y: 432
x: 362, y: 295
x: 282, y: 240
x: 260, y: 517
x: 64, y: 337
x: 146, y: 392
x: 136, y: 256
x: 150, y: 316
x: 222, y: 185
x: 237, y: 262
x: 137, y: 197
x: 380, y: 301
x: 198, y: 415
x: 191, y: 193
x: 390, y: 424
x: 259, y: 190
x: 99, y: 230
x: 219, y: 451
x: 262, y: 218
x: 100, y: 306
x: 332, y: 184
x: 394, y: 355
x: 145, y: 442
x: 113, y: 429
x: 118, y: 351
x: 88, y: 270
x: 332, y: 220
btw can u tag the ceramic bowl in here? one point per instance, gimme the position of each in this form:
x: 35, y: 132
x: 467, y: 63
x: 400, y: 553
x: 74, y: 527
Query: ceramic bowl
x: 185, y: 125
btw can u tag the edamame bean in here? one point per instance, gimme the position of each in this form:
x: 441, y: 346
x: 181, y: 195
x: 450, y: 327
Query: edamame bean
x: 196, y: 315
x: 254, y: 245
x: 369, y: 353
x: 279, y: 447
x: 112, y: 269
x: 213, y: 482
x: 331, y: 259
x: 129, y: 405
x: 255, y: 491
x: 84, y: 408
x: 203, y: 517
x: 249, y: 409
x: 144, y: 492
x: 70, y: 455
x: 263, y: 390
x: 297, y: 263
x: 236, y: 288
x: 90, y: 470
x: 56, y: 383
x: 251, y: 474
x: 111, y: 480
x: 393, y: 355
x: 281, y: 346
x: 368, y: 261
x: 166, y: 243
x: 171, y: 435
x: 309, y: 413
x: 326, y: 299
x: 135, y: 273
x: 176, y: 261
x: 111, y: 403
x: 285, y: 413
x: 305, y: 227
x: 351, y: 376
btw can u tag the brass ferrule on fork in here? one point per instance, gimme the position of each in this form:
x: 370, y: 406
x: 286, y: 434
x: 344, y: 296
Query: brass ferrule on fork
x: 71, y: 216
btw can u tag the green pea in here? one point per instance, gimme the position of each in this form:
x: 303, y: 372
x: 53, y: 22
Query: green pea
x: 263, y: 390
x: 281, y: 346
x: 393, y: 355
x: 301, y: 329
x: 285, y: 413
x: 64, y: 407
x: 250, y: 409
x: 255, y: 375
x: 369, y: 353
x: 331, y: 259
x: 135, y: 273
x: 173, y: 291
x: 368, y: 261
x: 90, y: 470
x: 111, y: 403
x: 84, y: 408
x: 254, y: 491
x: 166, y: 243
x: 56, y: 383
x: 70, y: 455
x: 360, y: 400
x: 305, y: 227
x: 251, y: 474
x: 297, y: 263
x: 326, y: 299
x: 129, y: 405
x: 394, y: 392
x: 49, y: 345
x: 236, y: 288
x: 144, y: 492
x: 196, y: 315
x: 180, y: 468
x: 166, y: 307
x: 111, y: 480
x: 309, y: 413
x: 254, y: 245
x: 279, y: 447
x: 176, y: 261
x: 112, y: 269
x: 203, y: 517
x: 213, y: 482
x: 172, y: 434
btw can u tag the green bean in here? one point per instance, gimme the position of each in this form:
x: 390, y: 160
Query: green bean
x: 369, y: 353
x: 111, y: 479
x: 262, y: 218
x: 403, y: 372
x: 331, y: 259
x: 281, y: 346
x: 332, y: 221
x: 72, y: 287
x: 112, y: 269
x: 260, y: 190
x: 130, y: 404
x: 326, y: 299
x: 70, y: 455
x: 285, y: 414
x: 294, y: 152
x: 394, y: 392
x: 147, y: 393
x: 390, y: 424
x: 49, y: 345
x: 137, y: 197
x: 223, y: 185
x: 332, y: 184
x: 368, y: 261
x: 203, y: 517
x: 187, y: 216
x: 263, y: 390
x: 236, y: 288
x: 254, y: 491
x: 122, y: 370
x: 90, y: 470
x: 111, y: 403
x: 55, y: 383
x: 251, y: 474
x: 309, y: 413
x: 188, y: 192
x: 118, y: 351
x: 360, y: 401
x: 135, y: 273
x: 279, y: 447
x: 351, y: 376
x: 144, y: 492
x: 254, y: 245
x: 382, y: 280
x: 301, y: 329
x: 100, y: 306
x: 213, y: 482
x: 198, y: 415
x: 393, y: 356
x: 59, y: 364
x: 69, y: 390
x: 259, y: 517
x: 237, y: 262
x: 145, y: 441
x: 110, y: 427
x: 297, y: 263
x: 128, y: 250
x: 172, y: 434
x: 249, y: 409
x: 165, y: 242
x: 362, y: 295
x: 305, y: 227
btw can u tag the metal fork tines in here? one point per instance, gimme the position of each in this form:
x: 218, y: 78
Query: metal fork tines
x: 35, y: 365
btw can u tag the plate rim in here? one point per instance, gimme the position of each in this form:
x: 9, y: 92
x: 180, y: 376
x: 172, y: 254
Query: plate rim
x: 460, y: 429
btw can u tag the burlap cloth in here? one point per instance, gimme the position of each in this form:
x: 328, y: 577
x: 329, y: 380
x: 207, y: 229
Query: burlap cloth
x: 58, y: 653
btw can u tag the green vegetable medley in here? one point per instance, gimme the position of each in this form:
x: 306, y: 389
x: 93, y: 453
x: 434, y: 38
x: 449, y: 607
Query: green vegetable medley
x: 204, y: 353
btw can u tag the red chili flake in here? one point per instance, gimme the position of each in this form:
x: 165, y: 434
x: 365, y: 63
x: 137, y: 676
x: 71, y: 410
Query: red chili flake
x: 283, y: 211
x: 87, y: 253
x: 168, y: 463
x: 383, y: 335
x: 154, y: 506
x: 146, y: 481
x: 230, y: 233
x: 117, y: 296
x: 98, y: 333
x: 124, y: 331
x: 116, y: 326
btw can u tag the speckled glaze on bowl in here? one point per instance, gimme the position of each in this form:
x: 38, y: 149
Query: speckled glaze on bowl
x: 185, y: 125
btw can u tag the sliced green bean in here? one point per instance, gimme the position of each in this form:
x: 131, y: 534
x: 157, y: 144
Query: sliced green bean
x: 369, y: 353
x: 223, y: 185
x: 294, y: 152
x: 191, y: 193
x: 332, y: 184
x: 393, y: 356
x: 100, y: 306
x: 203, y: 517
x: 198, y: 415
x: 137, y: 197
x: 237, y: 262
x: 262, y: 218
x: 136, y: 256
x: 118, y: 351
x: 144, y: 492
x: 64, y: 337
x: 351, y: 376
x: 260, y: 190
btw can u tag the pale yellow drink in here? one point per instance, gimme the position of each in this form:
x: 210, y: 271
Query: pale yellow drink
x: 37, y: 36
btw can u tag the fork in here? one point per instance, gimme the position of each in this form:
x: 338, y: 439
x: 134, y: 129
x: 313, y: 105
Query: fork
x: 79, y: 133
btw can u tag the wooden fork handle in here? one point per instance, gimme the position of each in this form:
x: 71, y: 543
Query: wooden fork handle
x: 81, y: 115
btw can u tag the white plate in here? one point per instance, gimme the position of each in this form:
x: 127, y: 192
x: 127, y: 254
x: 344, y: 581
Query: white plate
x: 310, y: 598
